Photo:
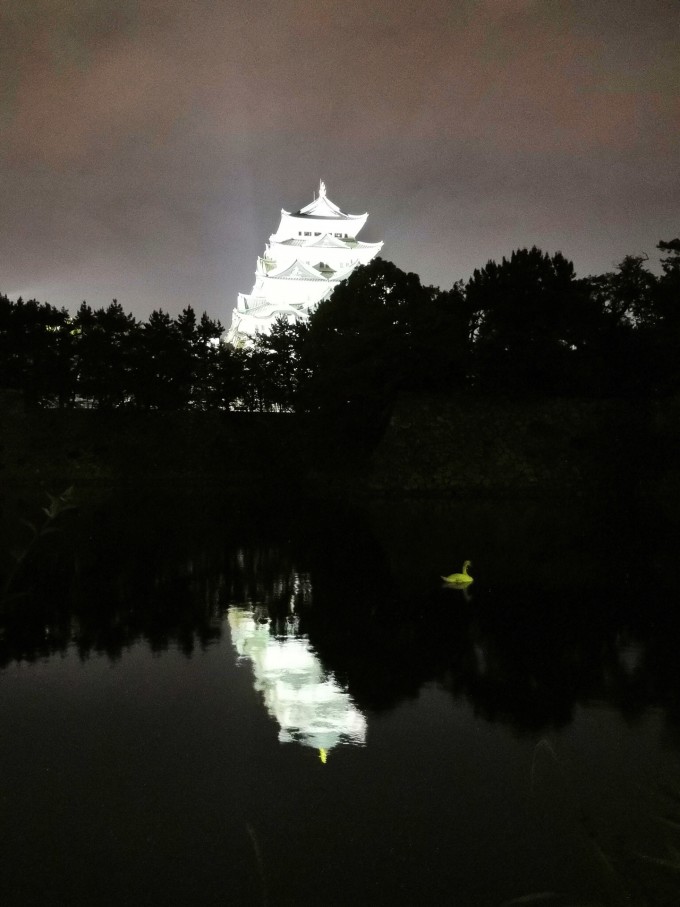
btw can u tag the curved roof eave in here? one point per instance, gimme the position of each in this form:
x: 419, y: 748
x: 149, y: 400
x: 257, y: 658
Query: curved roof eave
x: 343, y: 275
x: 305, y: 272
x: 322, y: 202
x: 273, y: 309
x: 326, y: 241
x: 340, y: 216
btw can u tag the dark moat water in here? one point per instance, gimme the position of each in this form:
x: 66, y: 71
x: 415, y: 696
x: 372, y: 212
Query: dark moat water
x: 205, y: 701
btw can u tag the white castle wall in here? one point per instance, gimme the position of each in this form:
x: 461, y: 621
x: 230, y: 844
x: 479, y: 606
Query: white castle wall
x: 310, y: 253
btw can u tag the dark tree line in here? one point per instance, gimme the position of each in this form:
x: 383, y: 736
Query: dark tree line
x: 526, y: 326
x: 107, y: 359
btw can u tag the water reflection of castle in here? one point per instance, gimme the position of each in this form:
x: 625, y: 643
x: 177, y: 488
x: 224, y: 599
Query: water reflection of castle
x: 308, y: 703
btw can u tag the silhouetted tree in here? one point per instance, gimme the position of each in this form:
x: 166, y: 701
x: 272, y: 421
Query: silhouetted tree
x: 224, y: 384
x: 104, y: 347
x: 276, y: 366
x: 668, y: 301
x: 208, y: 385
x: 533, y: 325
x: 382, y: 332
x: 34, y: 351
x: 162, y: 365
x: 624, y: 347
x: 53, y: 378
x: 628, y: 294
x: 185, y: 371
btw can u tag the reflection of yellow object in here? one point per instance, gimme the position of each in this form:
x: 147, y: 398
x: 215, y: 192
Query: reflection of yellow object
x: 323, y: 755
x: 460, y: 579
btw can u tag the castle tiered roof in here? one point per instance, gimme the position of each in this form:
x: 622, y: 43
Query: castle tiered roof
x: 310, y: 253
x: 322, y: 206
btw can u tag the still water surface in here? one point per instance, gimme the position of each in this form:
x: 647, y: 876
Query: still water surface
x: 203, y: 704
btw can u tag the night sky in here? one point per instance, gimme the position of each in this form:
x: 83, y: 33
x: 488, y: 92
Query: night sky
x: 147, y: 148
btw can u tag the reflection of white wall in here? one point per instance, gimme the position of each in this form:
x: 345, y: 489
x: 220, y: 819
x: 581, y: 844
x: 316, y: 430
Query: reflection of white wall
x: 307, y: 702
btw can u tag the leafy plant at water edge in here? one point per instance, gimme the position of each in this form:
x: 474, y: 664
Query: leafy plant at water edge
x: 58, y: 504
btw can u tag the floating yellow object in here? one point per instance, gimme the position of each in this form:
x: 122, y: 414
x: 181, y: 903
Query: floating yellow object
x: 323, y: 755
x: 460, y: 579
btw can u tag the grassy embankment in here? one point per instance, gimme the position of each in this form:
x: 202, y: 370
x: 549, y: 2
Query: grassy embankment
x: 432, y: 446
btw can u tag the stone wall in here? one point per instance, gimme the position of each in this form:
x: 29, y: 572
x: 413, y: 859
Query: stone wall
x: 83, y: 447
x: 457, y: 446
x: 468, y: 446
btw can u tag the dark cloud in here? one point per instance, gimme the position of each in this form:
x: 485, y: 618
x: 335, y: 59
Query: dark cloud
x: 146, y: 148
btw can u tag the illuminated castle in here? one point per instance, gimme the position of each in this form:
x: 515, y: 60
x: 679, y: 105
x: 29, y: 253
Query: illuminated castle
x: 310, y: 253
